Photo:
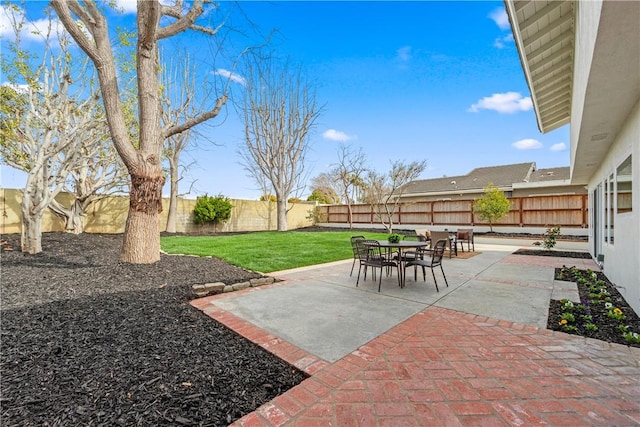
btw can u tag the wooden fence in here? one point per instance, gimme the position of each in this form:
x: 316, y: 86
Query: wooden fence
x: 533, y: 211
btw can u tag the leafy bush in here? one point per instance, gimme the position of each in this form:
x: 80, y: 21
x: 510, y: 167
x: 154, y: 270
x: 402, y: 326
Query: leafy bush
x: 268, y: 198
x: 550, y: 237
x: 212, y: 209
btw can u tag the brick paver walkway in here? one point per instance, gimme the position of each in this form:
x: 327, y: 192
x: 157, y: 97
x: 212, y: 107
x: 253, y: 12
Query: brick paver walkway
x: 447, y: 368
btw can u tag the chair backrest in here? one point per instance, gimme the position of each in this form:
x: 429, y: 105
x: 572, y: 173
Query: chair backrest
x: 419, y: 238
x: 423, y: 232
x: 354, y: 245
x: 370, y: 249
x: 464, y: 233
x: 439, y: 235
x: 438, y: 252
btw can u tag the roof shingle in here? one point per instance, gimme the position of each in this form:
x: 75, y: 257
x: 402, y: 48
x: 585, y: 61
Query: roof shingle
x: 503, y: 176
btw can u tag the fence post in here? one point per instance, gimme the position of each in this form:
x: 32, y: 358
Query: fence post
x: 521, y: 212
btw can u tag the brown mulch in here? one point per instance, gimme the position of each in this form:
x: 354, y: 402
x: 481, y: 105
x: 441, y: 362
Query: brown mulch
x: 87, y: 340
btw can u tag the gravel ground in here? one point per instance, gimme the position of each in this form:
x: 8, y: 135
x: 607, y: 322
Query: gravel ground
x: 87, y: 340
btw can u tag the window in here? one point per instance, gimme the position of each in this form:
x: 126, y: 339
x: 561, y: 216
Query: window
x: 610, y: 200
x: 623, y: 186
x: 605, y: 210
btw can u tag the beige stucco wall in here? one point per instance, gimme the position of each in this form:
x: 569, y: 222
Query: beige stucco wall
x: 109, y: 215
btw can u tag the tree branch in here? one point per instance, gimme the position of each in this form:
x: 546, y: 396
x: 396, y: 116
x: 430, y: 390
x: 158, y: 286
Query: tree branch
x: 63, y: 9
x: 197, y: 120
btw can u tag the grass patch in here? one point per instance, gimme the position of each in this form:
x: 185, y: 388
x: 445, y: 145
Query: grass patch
x: 269, y: 251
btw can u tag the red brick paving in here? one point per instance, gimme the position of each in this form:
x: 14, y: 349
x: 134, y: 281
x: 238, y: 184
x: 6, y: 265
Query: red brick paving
x: 446, y: 368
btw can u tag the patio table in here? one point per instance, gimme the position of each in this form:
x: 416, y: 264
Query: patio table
x: 402, y: 245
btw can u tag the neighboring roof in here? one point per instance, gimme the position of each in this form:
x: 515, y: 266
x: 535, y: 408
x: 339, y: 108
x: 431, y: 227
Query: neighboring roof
x: 551, y: 174
x: 605, y: 37
x: 544, y: 35
x: 501, y: 176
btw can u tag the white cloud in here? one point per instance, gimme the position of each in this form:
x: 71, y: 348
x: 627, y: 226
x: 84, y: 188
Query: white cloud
x: 499, y: 16
x: 527, y: 144
x: 231, y: 76
x: 336, y: 135
x: 508, y: 102
x: 560, y: 146
x: 18, y: 88
x: 5, y: 23
x: 501, y: 42
x: 128, y: 6
x: 404, y: 53
x: 31, y: 30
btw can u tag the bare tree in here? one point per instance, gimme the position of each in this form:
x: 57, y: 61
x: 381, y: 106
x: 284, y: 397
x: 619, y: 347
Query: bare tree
x: 97, y: 174
x: 384, y: 191
x: 183, y: 97
x: 57, y: 117
x: 349, y: 175
x: 280, y: 110
x: 89, y: 28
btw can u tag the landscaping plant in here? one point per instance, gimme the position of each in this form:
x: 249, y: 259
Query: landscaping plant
x: 550, y: 236
x: 602, y: 313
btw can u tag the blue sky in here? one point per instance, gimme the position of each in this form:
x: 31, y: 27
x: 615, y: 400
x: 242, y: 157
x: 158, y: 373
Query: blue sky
x: 420, y: 80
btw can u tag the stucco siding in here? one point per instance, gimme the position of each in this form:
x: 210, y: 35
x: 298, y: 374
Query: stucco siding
x: 621, y: 259
x: 587, y: 20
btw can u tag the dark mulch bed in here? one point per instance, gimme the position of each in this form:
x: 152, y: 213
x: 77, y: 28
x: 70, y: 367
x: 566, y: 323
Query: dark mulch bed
x: 546, y: 252
x: 89, y: 341
x: 607, y: 327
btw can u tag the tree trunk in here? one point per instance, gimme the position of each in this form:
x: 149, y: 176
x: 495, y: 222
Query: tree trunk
x: 75, y: 221
x: 73, y: 217
x: 282, y: 214
x: 31, y: 233
x: 173, y: 202
x: 142, y: 231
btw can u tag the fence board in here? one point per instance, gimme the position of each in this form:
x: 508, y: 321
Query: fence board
x: 562, y: 210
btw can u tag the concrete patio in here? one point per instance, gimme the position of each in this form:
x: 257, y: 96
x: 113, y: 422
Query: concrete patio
x: 475, y: 353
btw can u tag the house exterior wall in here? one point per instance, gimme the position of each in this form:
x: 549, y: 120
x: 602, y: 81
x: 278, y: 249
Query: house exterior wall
x: 548, y: 191
x: 587, y: 20
x: 621, y: 258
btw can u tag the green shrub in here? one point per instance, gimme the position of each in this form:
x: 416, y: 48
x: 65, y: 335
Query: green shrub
x: 550, y: 237
x: 212, y: 209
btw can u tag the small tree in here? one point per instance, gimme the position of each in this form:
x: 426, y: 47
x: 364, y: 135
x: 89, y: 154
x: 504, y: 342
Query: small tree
x: 493, y: 206
x: 348, y: 175
x: 324, y: 196
x: 212, y: 209
x: 384, y: 191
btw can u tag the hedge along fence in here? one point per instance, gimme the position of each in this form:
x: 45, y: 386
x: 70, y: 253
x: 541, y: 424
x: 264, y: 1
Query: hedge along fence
x: 533, y: 211
x: 109, y: 215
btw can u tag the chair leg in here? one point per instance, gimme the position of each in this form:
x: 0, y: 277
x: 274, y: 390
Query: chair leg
x: 352, y: 265
x: 380, y: 280
x: 434, y: 280
x: 443, y: 275
x: 365, y: 274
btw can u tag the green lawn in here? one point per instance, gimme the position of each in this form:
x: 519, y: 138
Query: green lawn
x: 269, y: 251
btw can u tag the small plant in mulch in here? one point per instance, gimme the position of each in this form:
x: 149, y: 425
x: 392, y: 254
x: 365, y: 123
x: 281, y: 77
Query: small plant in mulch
x: 550, y: 236
x: 601, y: 314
